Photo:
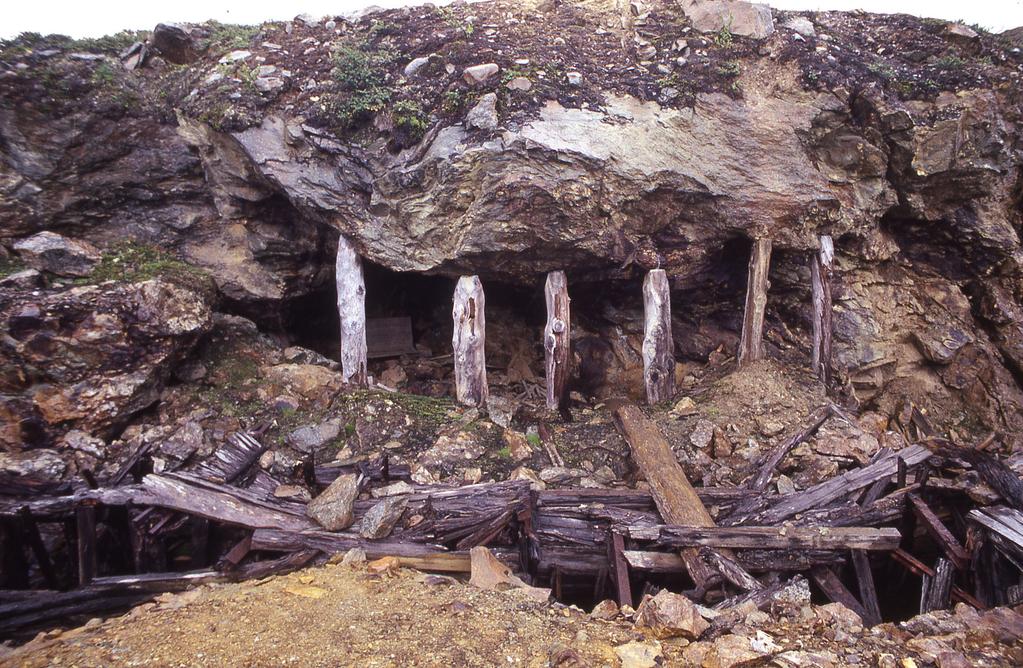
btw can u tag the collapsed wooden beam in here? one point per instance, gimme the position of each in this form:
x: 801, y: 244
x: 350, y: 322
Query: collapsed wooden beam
x: 770, y: 538
x: 556, y: 337
x: 468, y: 342
x: 674, y: 496
x: 658, y: 346
x: 820, y: 285
x: 751, y: 343
x: 85, y: 516
x: 351, y: 307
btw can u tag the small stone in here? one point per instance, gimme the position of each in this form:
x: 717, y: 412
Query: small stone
x: 266, y: 460
x: 379, y: 521
x: 384, y: 565
x: 524, y: 473
x: 606, y: 609
x: 56, y: 254
x: 235, y: 56
x: 25, y: 279
x: 520, y: 84
x: 477, y: 74
x: 292, y: 492
x: 311, y: 438
x: 702, y: 434
x: 333, y: 507
x: 684, y: 406
x: 639, y: 655
x: 517, y: 445
x: 395, y: 489
x: 484, y: 116
x: 669, y: 615
x: 415, y: 65
x: 800, y: 25
x: 574, y: 78
x: 269, y: 84
x: 961, y: 32
x: 354, y: 558
x: 439, y: 580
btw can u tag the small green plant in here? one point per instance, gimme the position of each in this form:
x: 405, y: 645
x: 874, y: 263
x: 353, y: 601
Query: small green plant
x: 724, y: 38
x: 110, y: 44
x: 453, y: 101
x: 10, y: 265
x: 504, y: 453
x: 349, y: 429
x: 359, y: 74
x: 410, y: 119
x: 229, y: 37
x: 883, y: 70
x: 730, y: 68
x: 104, y: 75
x: 131, y: 261
x: 533, y: 439
x: 950, y: 62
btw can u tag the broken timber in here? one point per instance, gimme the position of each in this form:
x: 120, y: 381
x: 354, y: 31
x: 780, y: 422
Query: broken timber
x: 770, y: 538
x: 351, y: 307
x: 675, y: 497
x: 658, y: 346
x: 820, y: 277
x: 468, y: 342
x: 751, y: 343
x: 557, y: 337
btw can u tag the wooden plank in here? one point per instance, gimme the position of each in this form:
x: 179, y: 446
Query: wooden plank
x: 868, y: 590
x: 557, y: 339
x: 730, y: 570
x: 658, y: 345
x: 751, y: 342
x: 833, y: 588
x: 389, y: 337
x: 820, y: 278
x: 620, y: 569
x: 755, y: 561
x: 813, y: 423
x: 351, y: 308
x: 914, y: 565
x: 469, y: 341
x: 85, y: 516
x: 936, y: 593
x: 675, y: 497
x: 948, y: 543
x: 833, y: 489
x: 777, y: 538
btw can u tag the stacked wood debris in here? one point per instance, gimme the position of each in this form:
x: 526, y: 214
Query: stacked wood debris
x: 949, y: 516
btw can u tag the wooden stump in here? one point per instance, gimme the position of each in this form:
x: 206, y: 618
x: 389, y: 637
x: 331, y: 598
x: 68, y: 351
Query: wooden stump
x: 556, y: 337
x: 468, y: 342
x: 658, y: 346
x: 751, y: 344
x: 820, y: 275
x: 351, y: 307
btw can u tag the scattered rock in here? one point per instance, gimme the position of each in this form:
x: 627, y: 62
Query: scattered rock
x: 56, y: 254
x: 574, y: 78
x: 25, y: 279
x: 269, y: 84
x: 669, y: 615
x: 384, y: 565
x: 702, y: 434
x: 740, y: 18
x: 292, y: 492
x: 684, y: 406
x: 517, y: 444
x: 639, y: 655
x: 487, y: 572
x: 379, y: 521
x: 32, y: 471
x: 606, y: 609
x: 415, y: 65
x: 354, y: 558
x: 801, y: 25
x: 519, y: 83
x: 524, y: 473
x: 961, y: 32
x: 311, y: 438
x: 176, y: 43
x: 394, y: 489
x: 332, y: 509
x: 83, y: 442
x: 235, y: 56
x: 477, y: 74
x: 483, y: 116
x: 449, y: 450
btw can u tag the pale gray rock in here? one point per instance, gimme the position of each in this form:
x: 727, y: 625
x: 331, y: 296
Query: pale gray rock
x: 483, y: 116
x: 478, y: 74
x: 310, y: 438
x: 56, y: 254
x: 379, y: 521
x: 415, y: 65
x: 740, y: 18
x: 669, y: 615
x: 801, y: 25
x: 333, y: 508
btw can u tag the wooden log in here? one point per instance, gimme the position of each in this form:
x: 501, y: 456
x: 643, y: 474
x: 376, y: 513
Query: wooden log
x: 751, y: 343
x: 351, y: 307
x: 833, y: 489
x: 770, y: 538
x: 620, y: 569
x: 868, y: 590
x: 820, y: 277
x: 946, y: 542
x: 936, y: 592
x: 675, y: 497
x: 814, y: 423
x: 916, y: 566
x: 468, y: 342
x: 833, y: 588
x: 557, y: 338
x: 658, y: 346
x: 754, y: 561
x: 730, y: 570
x: 85, y: 516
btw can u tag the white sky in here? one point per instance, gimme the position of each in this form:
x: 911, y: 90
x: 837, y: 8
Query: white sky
x: 93, y: 18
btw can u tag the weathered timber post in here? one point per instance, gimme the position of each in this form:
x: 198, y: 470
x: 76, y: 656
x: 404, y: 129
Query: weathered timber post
x: 658, y: 346
x: 468, y: 342
x: 556, y: 337
x: 820, y: 276
x: 351, y: 308
x: 751, y: 343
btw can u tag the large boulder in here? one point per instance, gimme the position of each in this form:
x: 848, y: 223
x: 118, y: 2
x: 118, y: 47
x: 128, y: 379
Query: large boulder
x: 176, y: 42
x: 737, y: 17
x: 670, y: 615
x: 57, y: 254
x: 89, y: 357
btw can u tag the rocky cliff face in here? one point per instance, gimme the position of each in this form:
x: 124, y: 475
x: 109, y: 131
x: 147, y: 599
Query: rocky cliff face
x: 605, y: 139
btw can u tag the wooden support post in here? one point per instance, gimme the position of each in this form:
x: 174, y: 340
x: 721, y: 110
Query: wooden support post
x: 936, y: 591
x: 833, y: 588
x: 751, y: 343
x: 556, y: 337
x: 35, y: 541
x: 820, y: 276
x: 620, y: 568
x: 468, y: 342
x: 85, y: 516
x: 868, y: 591
x: 658, y: 346
x: 351, y: 307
